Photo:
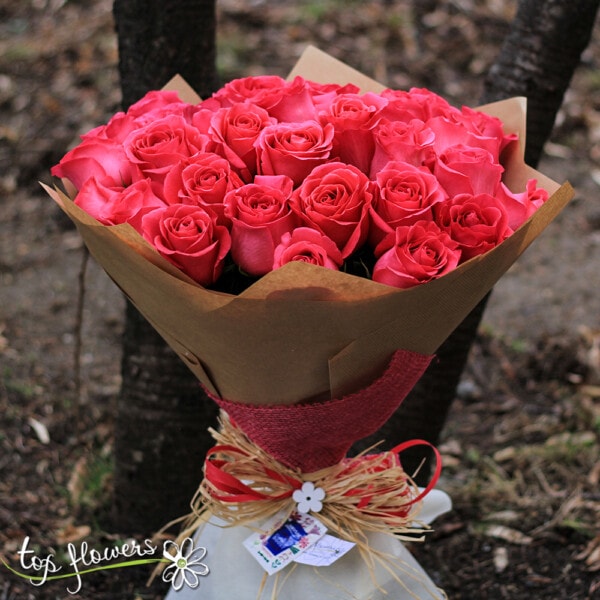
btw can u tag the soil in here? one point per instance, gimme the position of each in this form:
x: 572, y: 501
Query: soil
x: 521, y: 446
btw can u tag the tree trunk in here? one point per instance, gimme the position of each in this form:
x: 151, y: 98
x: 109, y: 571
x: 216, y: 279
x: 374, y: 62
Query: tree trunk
x: 537, y: 60
x: 162, y: 414
x: 158, y: 39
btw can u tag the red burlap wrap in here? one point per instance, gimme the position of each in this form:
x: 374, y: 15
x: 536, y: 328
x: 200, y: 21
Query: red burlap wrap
x: 314, y: 436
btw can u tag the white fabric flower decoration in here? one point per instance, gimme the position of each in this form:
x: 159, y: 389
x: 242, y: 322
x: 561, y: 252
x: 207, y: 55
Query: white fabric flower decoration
x: 186, y: 566
x: 309, y: 498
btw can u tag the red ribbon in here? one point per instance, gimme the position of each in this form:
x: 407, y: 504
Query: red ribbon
x: 228, y: 488
x: 234, y: 490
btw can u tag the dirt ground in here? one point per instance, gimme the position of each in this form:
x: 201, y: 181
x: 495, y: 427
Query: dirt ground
x: 522, y: 444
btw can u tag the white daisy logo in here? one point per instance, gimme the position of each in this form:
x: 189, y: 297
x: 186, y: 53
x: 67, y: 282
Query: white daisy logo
x: 186, y: 566
x: 309, y: 497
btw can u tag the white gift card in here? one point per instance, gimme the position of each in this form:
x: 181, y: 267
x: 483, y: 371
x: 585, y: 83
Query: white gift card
x: 325, y: 551
x: 283, y: 540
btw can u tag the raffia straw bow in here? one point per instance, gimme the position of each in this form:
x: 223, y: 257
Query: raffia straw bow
x: 368, y: 493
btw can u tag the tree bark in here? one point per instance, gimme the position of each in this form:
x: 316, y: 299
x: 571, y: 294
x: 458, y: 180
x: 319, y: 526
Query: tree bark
x: 537, y: 60
x: 162, y: 416
x: 158, y: 39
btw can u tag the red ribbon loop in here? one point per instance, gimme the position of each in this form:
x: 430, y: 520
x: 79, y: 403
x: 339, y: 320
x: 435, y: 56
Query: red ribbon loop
x: 228, y: 467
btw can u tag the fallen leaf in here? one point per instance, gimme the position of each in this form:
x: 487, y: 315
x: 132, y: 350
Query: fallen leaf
x: 73, y: 533
x: 591, y: 555
x: 590, y: 390
x: 503, y: 515
x: 536, y: 579
x: 505, y: 454
x: 594, y: 476
x: 76, y: 482
x: 500, y: 559
x: 581, y: 438
x: 507, y: 534
x: 448, y: 529
x: 41, y: 431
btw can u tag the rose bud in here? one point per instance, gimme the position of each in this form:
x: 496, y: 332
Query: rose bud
x: 354, y: 117
x: 260, y: 213
x: 188, y: 237
x: 114, y: 204
x: 234, y: 130
x: 520, y: 206
x: 201, y: 180
x: 410, y: 142
x: 477, y: 223
x: 468, y: 170
x: 415, y: 254
x: 293, y: 149
x: 406, y: 194
x: 98, y: 157
x: 335, y: 199
x: 157, y: 147
x: 307, y: 245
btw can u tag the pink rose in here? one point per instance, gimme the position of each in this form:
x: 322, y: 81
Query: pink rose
x: 354, y: 111
x: 415, y: 254
x: 406, y: 195
x: 295, y: 103
x: 486, y: 125
x: 417, y: 103
x: 335, y: 199
x: 283, y: 100
x: 477, y: 222
x: 188, y: 112
x: 260, y: 214
x: 235, y: 130
x: 467, y: 170
x: 202, y: 180
x: 188, y: 237
x: 293, y: 149
x: 154, y: 100
x: 323, y: 93
x: 520, y: 206
x: 262, y: 90
x: 410, y: 142
x: 119, y: 126
x: 98, y: 157
x: 459, y: 131
x: 112, y: 204
x: 354, y: 117
x: 307, y: 245
x: 202, y: 117
x: 160, y: 145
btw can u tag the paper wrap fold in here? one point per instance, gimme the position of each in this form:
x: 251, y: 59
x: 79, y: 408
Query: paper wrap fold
x: 303, y: 333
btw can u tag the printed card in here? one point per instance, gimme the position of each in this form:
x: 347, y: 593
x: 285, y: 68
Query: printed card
x: 325, y: 551
x: 284, y: 540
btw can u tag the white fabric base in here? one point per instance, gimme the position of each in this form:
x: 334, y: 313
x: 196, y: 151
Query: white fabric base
x: 236, y: 575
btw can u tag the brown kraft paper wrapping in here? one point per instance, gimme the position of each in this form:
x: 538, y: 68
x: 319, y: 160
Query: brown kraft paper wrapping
x: 304, y: 332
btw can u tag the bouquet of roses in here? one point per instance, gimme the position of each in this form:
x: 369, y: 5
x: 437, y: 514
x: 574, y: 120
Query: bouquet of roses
x: 269, y: 171
x: 305, y: 245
